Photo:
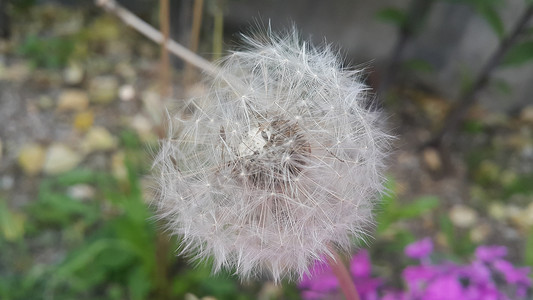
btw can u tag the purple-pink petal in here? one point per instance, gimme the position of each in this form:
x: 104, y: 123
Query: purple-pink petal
x: 419, y: 249
x: 490, y: 253
x: 360, y: 265
x: 513, y: 275
x: 444, y: 288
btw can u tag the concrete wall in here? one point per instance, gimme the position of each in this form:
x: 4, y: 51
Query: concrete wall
x: 455, y: 41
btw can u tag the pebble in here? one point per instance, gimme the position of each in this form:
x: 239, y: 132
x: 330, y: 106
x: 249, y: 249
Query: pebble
x: 497, y: 211
x: 1, y: 150
x: 463, y: 216
x: 480, y: 233
x: 526, y: 115
x: 84, y: 120
x: 522, y: 218
x: 73, y: 100
x: 118, y: 166
x: 31, y: 159
x: 103, y: 89
x: 432, y: 159
x: 190, y: 296
x: 7, y: 182
x: 143, y: 128
x: 60, y: 158
x: 81, y: 192
x: 73, y: 74
x: 126, y: 92
x: 98, y: 139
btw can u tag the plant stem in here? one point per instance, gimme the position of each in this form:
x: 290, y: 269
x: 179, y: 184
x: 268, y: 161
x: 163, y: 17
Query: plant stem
x: 345, y: 280
x: 414, y: 20
x: 198, y: 8
x: 468, y: 97
x: 218, y: 30
x: 150, y: 32
x: 164, y: 68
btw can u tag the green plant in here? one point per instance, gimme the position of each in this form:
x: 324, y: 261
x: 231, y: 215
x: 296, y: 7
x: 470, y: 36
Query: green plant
x: 50, y: 52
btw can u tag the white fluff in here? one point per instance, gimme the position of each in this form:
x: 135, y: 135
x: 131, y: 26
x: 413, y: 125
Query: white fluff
x: 277, y: 164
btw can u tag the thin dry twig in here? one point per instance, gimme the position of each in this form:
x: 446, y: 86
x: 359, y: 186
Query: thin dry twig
x: 166, y: 90
x: 195, y: 37
x: 150, y: 32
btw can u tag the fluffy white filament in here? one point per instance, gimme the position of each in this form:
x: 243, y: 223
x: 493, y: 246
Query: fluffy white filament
x: 276, y: 164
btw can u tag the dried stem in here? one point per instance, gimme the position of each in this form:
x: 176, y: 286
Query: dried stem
x: 164, y: 70
x: 218, y: 30
x: 468, y: 97
x: 198, y: 8
x: 127, y: 17
x: 345, y: 280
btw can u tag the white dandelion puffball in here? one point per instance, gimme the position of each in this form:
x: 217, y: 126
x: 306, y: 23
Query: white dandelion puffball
x: 277, y: 164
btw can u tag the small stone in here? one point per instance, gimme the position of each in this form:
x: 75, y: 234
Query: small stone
x: 103, y: 89
x: 73, y: 74
x: 3, y: 71
x: 528, y: 214
x: 7, y: 182
x: 31, y: 159
x: 270, y: 291
x: 60, y: 159
x: 143, y: 128
x: 84, y: 120
x: 190, y: 296
x: 480, y: 233
x: 522, y: 218
x: 81, y: 192
x: 526, y: 115
x: 73, y: 100
x: 432, y: 159
x: 118, y: 166
x: 463, y: 216
x: 98, y: 139
x: 1, y: 149
x: 126, y: 92
x: 497, y: 211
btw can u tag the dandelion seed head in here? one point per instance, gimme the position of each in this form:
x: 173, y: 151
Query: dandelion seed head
x: 279, y: 161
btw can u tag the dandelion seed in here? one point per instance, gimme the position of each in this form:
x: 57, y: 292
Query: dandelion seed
x: 278, y: 173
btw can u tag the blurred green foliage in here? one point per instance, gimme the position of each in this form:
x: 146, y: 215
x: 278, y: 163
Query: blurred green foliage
x: 50, y: 52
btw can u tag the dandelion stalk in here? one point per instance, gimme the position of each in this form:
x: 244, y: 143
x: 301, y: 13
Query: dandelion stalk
x: 345, y: 280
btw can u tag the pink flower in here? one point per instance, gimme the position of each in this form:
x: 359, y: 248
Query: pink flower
x: 513, y: 275
x: 444, y: 288
x: 419, y: 249
x: 360, y: 266
x: 490, y: 253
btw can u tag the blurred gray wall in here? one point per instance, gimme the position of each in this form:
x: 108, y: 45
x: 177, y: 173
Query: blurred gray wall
x: 455, y: 40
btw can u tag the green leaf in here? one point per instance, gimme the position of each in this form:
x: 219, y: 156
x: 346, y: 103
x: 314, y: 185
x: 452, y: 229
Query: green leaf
x: 392, y: 15
x: 519, y: 54
x: 491, y: 16
x: 419, y: 207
